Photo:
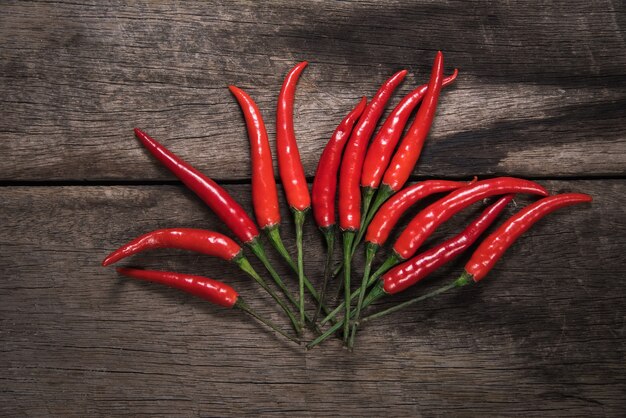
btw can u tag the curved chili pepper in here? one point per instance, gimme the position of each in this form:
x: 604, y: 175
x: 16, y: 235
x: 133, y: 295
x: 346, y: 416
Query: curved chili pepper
x: 406, y: 156
x: 206, y: 242
x: 350, y: 173
x: 325, y: 188
x: 289, y: 163
x: 202, y: 241
x: 218, y: 199
x: 354, y: 155
x: 494, y: 246
x: 211, y: 290
x: 385, y: 141
x: 386, y: 218
x: 264, y: 193
x: 325, y: 182
x: 290, y: 166
x: 419, y: 267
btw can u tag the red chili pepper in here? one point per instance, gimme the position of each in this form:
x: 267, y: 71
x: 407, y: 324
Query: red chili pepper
x: 202, y: 241
x: 211, y: 290
x: 383, y: 145
x: 289, y: 163
x: 325, y: 182
x: 325, y: 188
x: 354, y: 155
x: 410, y: 148
x: 494, y: 246
x: 349, y: 175
x: 218, y: 199
x: 264, y: 194
x: 421, y: 266
x: 290, y: 166
x: 215, y: 292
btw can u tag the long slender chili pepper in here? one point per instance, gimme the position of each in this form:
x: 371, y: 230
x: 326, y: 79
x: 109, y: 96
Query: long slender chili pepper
x: 354, y: 155
x: 264, y: 193
x: 324, y: 190
x: 387, y: 217
x: 422, y: 265
x: 410, y: 147
x: 495, y: 245
x: 218, y: 199
x: 211, y: 290
x: 206, y: 242
x: 290, y: 166
x: 350, y: 173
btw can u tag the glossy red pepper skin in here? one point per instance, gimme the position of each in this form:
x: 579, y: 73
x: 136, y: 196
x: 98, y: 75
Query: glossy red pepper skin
x: 215, y: 292
x: 264, y: 193
x: 425, y: 222
x: 354, y: 155
x: 410, y: 147
x: 324, y: 189
x: 218, y: 199
x: 421, y: 266
x: 494, y: 246
x: 383, y: 145
x: 201, y: 241
x: 289, y: 163
x: 392, y: 210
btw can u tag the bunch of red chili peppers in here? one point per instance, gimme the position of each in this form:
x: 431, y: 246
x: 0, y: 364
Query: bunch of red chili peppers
x: 372, y: 198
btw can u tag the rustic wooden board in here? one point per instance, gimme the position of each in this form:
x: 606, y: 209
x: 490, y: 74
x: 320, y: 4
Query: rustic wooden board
x: 541, y: 91
x: 543, y: 335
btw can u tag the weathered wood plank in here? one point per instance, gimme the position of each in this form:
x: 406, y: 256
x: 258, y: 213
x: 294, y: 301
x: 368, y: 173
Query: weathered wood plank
x: 541, y: 91
x: 543, y: 335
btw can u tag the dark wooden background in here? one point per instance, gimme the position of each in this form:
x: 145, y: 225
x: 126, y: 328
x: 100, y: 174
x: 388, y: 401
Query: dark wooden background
x: 541, y: 94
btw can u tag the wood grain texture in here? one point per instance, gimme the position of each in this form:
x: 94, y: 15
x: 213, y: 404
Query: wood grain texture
x: 542, y: 88
x: 543, y: 335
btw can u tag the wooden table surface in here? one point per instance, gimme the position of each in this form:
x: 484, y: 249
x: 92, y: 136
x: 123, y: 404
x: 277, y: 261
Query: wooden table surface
x: 541, y: 94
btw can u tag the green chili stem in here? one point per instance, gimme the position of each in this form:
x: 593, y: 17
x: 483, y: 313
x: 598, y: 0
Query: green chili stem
x: 376, y: 293
x: 383, y: 193
x: 348, y: 238
x: 390, y: 262
x: 273, y: 234
x: 464, y: 280
x: 370, y: 252
x: 245, y: 265
x: 329, y: 236
x: 299, y: 216
x: 244, y: 307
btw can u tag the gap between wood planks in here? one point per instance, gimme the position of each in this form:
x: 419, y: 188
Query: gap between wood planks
x: 147, y: 182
